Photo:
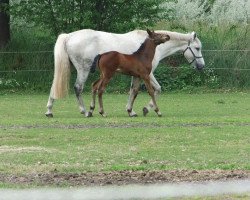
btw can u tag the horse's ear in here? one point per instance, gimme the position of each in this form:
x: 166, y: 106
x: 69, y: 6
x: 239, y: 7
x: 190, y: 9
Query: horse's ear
x: 194, y: 35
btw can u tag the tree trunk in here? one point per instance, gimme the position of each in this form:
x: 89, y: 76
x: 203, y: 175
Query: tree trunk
x: 4, y: 23
x: 99, y: 18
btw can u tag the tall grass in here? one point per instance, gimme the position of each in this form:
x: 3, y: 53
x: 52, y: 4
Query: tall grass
x: 232, y: 64
x: 21, y: 65
x: 222, y: 25
x: 25, y: 67
x: 226, y: 50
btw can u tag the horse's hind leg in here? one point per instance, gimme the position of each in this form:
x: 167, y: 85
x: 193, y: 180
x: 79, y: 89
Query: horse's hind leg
x: 82, y: 76
x: 151, y: 93
x: 134, y: 89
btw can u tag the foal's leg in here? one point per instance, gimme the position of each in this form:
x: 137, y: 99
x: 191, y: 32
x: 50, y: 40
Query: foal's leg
x: 95, y: 87
x: 134, y: 89
x: 157, y: 91
x: 101, y: 89
x: 151, y: 93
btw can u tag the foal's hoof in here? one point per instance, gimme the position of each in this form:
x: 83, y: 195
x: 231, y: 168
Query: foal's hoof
x: 145, y: 111
x: 158, y: 113
x: 90, y: 114
x: 103, y: 114
x: 49, y: 115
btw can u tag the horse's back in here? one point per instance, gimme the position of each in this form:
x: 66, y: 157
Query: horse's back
x: 87, y: 43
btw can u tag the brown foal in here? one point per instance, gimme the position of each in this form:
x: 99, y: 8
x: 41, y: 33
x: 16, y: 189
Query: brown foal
x: 138, y: 64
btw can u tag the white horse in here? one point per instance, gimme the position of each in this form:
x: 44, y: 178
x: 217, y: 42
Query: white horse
x: 81, y: 47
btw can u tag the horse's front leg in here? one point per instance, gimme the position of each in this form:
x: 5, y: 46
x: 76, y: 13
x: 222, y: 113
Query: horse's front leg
x: 134, y: 89
x: 157, y: 91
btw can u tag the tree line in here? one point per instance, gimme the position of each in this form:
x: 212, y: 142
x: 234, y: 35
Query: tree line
x: 4, y: 23
x: 59, y: 16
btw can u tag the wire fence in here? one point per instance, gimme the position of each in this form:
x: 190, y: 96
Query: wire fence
x: 180, y: 67
x: 205, y: 50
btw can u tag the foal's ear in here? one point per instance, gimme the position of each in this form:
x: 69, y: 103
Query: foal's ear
x: 150, y: 33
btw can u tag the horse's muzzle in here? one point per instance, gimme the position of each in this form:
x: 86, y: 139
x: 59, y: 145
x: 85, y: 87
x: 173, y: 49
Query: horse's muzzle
x: 199, y: 66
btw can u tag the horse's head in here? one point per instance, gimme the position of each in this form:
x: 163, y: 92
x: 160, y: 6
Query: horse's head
x: 158, y: 38
x: 193, y: 52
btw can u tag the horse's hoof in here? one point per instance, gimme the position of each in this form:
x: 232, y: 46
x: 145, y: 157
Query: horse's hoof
x: 133, y: 115
x: 145, y: 111
x: 159, y: 114
x: 90, y: 114
x: 49, y: 115
x: 82, y: 112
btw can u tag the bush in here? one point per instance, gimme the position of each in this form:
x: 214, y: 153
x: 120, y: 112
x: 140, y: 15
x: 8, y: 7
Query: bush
x: 12, y: 84
x: 184, y: 77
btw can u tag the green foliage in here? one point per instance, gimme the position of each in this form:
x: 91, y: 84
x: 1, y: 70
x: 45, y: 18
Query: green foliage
x: 70, y: 15
x: 230, y: 64
x: 177, y: 78
x: 224, y: 69
x: 184, y: 77
x: 225, y: 51
x: 12, y: 84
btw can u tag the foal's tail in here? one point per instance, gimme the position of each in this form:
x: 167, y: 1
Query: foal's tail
x: 60, y: 84
x: 95, y: 63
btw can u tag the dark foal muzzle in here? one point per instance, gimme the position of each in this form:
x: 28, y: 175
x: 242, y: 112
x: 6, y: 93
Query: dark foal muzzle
x: 199, y: 66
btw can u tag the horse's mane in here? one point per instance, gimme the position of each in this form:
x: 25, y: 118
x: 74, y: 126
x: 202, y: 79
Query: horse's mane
x: 173, y: 35
x: 177, y: 36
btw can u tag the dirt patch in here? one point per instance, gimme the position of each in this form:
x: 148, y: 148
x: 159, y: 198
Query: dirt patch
x: 125, y: 177
x: 7, y: 149
x: 123, y: 125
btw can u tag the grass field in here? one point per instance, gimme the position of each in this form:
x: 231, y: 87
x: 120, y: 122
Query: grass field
x: 197, y: 131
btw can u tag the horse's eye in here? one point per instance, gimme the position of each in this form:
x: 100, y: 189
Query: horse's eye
x: 198, y: 49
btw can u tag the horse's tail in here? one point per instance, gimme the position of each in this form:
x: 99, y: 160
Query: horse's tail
x: 60, y: 84
x: 95, y: 63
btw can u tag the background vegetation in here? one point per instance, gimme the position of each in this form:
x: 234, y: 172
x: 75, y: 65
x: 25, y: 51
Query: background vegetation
x: 27, y: 61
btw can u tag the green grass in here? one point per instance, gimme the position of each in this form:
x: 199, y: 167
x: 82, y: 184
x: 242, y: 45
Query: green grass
x: 220, y: 197
x: 197, y: 131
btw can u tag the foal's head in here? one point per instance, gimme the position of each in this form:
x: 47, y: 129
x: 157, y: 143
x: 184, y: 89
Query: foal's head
x: 158, y: 38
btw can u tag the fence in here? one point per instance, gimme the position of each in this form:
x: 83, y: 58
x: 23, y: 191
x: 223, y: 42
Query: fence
x: 224, y: 68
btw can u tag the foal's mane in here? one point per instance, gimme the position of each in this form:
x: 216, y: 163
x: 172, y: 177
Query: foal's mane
x: 142, y: 47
